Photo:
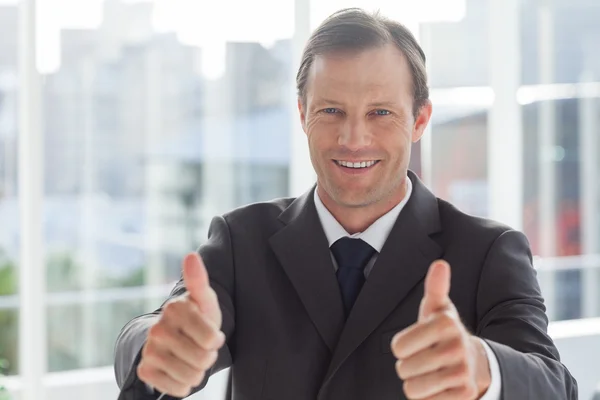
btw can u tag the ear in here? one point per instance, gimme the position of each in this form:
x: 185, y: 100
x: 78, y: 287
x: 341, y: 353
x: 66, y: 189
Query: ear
x: 302, y: 112
x: 422, y: 121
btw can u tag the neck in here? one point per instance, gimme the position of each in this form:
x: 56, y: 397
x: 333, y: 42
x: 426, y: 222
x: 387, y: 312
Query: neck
x: 358, y: 219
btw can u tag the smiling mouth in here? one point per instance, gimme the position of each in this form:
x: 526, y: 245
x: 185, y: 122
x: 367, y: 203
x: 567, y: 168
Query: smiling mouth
x: 356, y: 164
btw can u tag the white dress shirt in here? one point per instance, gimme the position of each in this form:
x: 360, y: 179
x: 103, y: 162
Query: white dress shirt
x: 376, y: 235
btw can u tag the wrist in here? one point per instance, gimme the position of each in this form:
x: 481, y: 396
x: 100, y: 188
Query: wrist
x: 483, y: 374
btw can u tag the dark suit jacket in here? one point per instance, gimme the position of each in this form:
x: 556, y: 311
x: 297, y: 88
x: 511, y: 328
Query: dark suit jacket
x: 283, y: 317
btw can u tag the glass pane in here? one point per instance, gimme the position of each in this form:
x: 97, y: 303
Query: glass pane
x: 562, y: 201
x: 459, y: 156
x: 561, y: 108
x: 560, y: 41
x: 9, y: 212
x: 461, y: 101
x: 154, y: 122
x: 68, y: 324
x: 457, y: 49
x: 448, y: 29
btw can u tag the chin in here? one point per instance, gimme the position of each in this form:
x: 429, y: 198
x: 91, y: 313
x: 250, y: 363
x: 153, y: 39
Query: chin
x: 355, y: 199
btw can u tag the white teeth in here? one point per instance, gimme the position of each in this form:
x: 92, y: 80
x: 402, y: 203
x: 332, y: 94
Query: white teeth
x: 363, y: 164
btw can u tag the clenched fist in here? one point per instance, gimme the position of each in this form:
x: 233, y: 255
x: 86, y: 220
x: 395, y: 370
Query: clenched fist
x: 438, y: 359
x: 184, y: 343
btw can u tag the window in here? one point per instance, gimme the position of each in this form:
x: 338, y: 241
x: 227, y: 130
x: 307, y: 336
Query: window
x: 158, y: 115
x: 154, y: 122
x: 142, y: 148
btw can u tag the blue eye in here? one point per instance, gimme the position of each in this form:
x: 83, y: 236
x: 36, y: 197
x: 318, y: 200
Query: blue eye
x: 382, y: 112
x: 330, y: 110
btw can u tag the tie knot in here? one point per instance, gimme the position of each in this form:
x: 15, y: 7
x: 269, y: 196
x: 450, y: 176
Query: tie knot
x: 352, y: 253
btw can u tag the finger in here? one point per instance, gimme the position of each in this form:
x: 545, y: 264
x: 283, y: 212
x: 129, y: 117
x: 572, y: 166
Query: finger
x: 436, y: 382
x: 420, y: 336
x: 197, y: 283
x: 162, y: 382
x: 195, y: 276
x: 444, y: 354
x: 185, y: 316
x: 437, y: 289
x: 163, y: 360
x: 464, y: 393
x: 182, y: 347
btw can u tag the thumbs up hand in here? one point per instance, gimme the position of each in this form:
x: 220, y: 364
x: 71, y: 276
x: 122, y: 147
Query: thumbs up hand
x: 437, y: 357
x: 184, y: 343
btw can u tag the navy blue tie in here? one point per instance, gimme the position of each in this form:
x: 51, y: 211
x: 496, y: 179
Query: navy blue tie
x: 351, y: 255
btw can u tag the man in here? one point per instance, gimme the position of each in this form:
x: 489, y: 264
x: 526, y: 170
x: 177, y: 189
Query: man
x: 342, y: 293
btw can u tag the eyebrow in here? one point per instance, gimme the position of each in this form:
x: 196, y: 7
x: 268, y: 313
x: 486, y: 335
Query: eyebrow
x: 382, y: 104
x: 320, y: 101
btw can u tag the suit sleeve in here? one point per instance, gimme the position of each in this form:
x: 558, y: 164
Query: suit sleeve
x: 512, y: 320
x: 217, y: 254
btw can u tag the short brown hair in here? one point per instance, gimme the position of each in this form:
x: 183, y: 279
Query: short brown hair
x: 355, y: 29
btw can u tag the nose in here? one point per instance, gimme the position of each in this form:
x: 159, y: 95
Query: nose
x: 355, y: 134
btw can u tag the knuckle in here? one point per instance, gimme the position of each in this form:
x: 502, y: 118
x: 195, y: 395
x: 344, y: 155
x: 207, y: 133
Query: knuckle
x: 447, y: 356
x: 147, y: 352
x: 191, y: 307
x: 450, y: 351
x: 171, y: 305
x: 461, y: 373
x: 213, y: 338
x: 457, y: 350
x: 447, y: 322
x: 400, y: 370
x: 153, y: 357
x: 471, y: 391
x: 199, y: 378
x: 146, y: 373
x: 157, y: 331
x: 182, y: 391
x: 207, y: 359
x: 189, y: 375
x: 142, y: 372
x: 463, y: 347
x: 171, y: 309
x: 397, y: 347
x: 197, y: 352
x: 407, y: 386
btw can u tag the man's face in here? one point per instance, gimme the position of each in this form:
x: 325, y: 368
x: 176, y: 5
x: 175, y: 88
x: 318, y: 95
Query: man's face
x: 359, y: 111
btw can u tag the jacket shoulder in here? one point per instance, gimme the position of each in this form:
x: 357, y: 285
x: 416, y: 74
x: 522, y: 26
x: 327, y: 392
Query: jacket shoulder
x: 457, y: 223
x: 258, y: 213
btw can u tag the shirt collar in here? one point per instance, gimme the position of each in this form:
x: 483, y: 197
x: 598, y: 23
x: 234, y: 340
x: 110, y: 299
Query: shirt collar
x: 375, y: 235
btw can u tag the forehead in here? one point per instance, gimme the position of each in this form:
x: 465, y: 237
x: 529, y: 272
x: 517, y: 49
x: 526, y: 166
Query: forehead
x: 376, y: 72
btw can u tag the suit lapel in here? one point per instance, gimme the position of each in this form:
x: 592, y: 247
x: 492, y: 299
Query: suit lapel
x: 303, y: 251
x: 401, y: 265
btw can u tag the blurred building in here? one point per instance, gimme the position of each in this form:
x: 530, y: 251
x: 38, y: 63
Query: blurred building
x: 118, y: 87
x: 129, y: 107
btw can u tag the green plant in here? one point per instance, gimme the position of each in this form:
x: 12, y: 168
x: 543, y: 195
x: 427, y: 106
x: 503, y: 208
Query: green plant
x: 8, y: 320
x: 63, y: 274
x: 4, y: 395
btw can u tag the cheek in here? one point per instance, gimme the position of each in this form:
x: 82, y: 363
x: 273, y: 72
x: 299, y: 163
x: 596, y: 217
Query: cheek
x: 395, y: 137
x: 312, y: 122
x: 321, y: 136
x: 315, y: 146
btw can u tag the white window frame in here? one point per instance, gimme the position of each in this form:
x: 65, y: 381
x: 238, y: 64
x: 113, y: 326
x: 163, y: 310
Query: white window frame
x: 32, y: 272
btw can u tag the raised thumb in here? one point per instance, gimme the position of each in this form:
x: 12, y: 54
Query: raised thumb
x: 437, y: 288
